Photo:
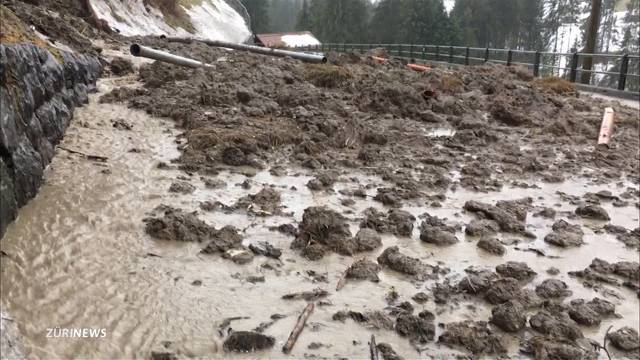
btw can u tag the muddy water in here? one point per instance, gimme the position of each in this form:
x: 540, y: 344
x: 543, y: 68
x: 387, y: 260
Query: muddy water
x: 79, y: 257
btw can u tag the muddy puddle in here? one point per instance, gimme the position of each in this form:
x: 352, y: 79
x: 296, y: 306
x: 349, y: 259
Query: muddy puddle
x: 79, y: 257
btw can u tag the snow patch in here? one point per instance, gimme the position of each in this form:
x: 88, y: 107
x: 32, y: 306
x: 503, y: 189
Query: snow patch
x: 300, y: 40
x: 211, y: 19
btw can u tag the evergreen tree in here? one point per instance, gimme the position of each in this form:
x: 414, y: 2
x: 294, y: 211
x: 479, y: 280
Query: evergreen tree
x: 342, y: 21
x: 304, y: 18
x: 258, y: 11
x: 426, y: 22
x: 387, y: 21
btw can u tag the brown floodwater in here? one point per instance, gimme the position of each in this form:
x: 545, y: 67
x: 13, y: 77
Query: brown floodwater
x: 79, y: 256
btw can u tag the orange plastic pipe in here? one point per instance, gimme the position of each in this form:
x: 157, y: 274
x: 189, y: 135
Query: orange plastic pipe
x: 379, y: 60
x: 607, y: 126
x: 420, y: 68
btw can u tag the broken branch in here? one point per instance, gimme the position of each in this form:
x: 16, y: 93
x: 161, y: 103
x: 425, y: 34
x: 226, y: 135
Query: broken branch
x: 88, y: 156
x: 302, y: 320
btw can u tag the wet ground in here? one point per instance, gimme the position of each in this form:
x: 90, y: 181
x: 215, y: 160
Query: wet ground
x: 78, y: 256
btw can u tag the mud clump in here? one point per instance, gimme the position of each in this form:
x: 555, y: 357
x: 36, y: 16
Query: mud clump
x: 492, y: 245
x: 265, y: 249
x: 264, y: 203
x: 309, y: 296
x: 182, y: 187
x: 553, y: 288
x: 325, y: 230
x: 590, y: 313
x: 565, y: 234
x: 510, y: 316
x: 177, y: 225
x: 395, y: 260
x: 398, y: 222
x: 517, y: 270
x: 507, y: 221
x: 476, y: 337
x: 482, y: 227
x: 327, y: 76
x: 593, y: 212
x: 416, y: 328
x: 388, y: 353
x: 555, y: 85
x: 248, y: 341
x: 625, y: 339
x: 435, y: 231
x: 121, y: 66
x: 364, y: 269
x: 368, y: 239
x: 555, y: 325
x: 551, y: 348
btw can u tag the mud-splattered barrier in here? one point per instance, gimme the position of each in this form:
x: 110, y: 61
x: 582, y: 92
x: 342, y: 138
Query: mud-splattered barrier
x: 38, y: 93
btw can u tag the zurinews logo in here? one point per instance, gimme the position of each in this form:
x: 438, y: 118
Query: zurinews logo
x: 58, y: 332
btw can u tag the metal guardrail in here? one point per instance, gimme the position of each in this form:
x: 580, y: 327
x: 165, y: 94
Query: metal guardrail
x: 567, y: 65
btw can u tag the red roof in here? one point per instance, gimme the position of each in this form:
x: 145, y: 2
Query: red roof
x: 275, y: 39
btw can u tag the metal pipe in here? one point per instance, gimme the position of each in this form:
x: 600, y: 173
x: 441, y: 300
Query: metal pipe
x: 313, y: 58
x: 143, y: 51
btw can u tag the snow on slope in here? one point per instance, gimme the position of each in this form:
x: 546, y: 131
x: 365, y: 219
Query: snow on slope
x: 210, y: 19
x: 300, y: 40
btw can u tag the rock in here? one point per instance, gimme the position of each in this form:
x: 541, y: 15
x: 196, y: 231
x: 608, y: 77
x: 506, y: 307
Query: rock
x: 248, y: 341
x: 364, y: 269
x: 368, y: 239
x: 504, y: 289
x: 265, y: 249
x: 509, y: 316
x: 238, y: 256
x: 420, y: 298
x: 594, y: 212
x: 625, y: 339
x: 214, y: 184
x: 482, y: 227
x: 553, y: 288
x: 475, y: 337
x: 394, y: 259
x: 313, y: 295
x: 416, y: 328
x: 477, y: 281
x: 517, y: 270
x: 492, y: 245
x: 182, y: 187
x: 565, y: 234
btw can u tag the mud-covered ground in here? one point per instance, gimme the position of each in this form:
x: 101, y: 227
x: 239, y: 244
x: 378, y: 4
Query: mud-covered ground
x: 454, y: 213
x: 480, y: 132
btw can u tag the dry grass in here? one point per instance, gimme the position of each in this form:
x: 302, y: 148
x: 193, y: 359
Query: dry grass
x: 451, y: 84
x: 14, y: 31
x: 555, y: 85
x: 325, y: 75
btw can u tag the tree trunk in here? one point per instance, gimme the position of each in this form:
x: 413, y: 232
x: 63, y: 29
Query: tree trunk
x: 592, y: 35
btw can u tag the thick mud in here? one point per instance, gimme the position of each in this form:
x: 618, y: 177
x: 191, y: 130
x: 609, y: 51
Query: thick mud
x: 205, y: 235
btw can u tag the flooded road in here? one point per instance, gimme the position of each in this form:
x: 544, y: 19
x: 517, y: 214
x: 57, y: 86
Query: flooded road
x: 79, y: 256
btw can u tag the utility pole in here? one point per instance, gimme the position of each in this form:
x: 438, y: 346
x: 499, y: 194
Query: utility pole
x: 592, y: 35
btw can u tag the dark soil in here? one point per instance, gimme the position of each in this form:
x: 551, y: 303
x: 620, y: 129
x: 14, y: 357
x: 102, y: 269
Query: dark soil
x: 248, y: 341
x: 475, y: 337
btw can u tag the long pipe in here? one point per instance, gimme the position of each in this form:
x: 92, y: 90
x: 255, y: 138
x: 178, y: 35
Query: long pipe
x: 313, y: 58
x: 143, y: 51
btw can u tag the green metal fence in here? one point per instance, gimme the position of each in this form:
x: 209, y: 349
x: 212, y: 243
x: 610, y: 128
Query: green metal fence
x: 617, y: 71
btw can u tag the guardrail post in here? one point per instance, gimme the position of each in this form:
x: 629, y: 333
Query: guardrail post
x: 509, y: 57
x: 411, y: 51
x: 624, y: 68
x: 399, y: 50
x: 574, y: 67
x: 536, y: 64
x: 437, y: 52
x: 486, y: 55
x: 424, y: 52
x: 450, y: 54
x: 466, y: 56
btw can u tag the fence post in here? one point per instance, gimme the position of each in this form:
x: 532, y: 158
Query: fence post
x: 424, y: 52
x: 536, y: 64
x: 399, y: 50
x: 624, y: 68
x: 411, y: 51
x: 466, y: 56
x: 574, y: 67
x: 486, y: 55
x: 437, y: 52
x: 450, y: 54
x: 509, y: 57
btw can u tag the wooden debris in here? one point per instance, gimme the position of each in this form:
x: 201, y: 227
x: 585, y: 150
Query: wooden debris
x: 302, y: 320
